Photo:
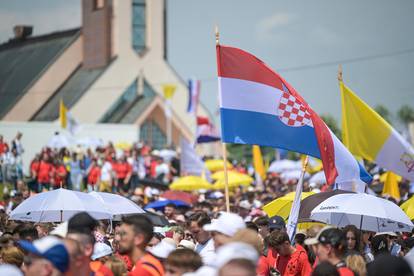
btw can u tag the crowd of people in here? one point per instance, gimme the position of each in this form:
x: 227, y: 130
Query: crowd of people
x: 201, y: 239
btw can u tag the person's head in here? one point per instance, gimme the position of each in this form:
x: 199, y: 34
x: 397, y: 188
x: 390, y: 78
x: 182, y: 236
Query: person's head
x: 238, y: 267
x: 196, y: 223
x: 276, y: 223
x: 263, y: 225
x: 26, y: 232
x: 46, y: 256
x: 12, y: 255
x: 76, y: 256
x: 250, y: 237
x: 116, y: 265
x: 169, y: 210
x: 386, y: 264
x: 379, y: 245
x: 279, y: 240
x: 156, y: 239
x: 224, y: 227
x: 357, y: 264
x: 353, y: 238
x: 325, y: 268
x: 181, y: 261
x: 135, y: 233
x: 19, y: 135
x: 330, y: 244
x: 101, y: 252
x: 42, y: 229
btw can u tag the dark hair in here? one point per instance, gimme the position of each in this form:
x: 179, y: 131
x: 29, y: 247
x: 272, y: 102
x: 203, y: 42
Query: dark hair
x: 185, y: 258
x: 387, y: 264
x: 27, y: 232
x: 262, y: 221
x: 325, y: 269
x: 244, y: 264
x: 277, y: 238
x: 172, y: 205
x: 357, y: 234
x: 141, y: 225
x: 201, y: 218
x: 252, y: 226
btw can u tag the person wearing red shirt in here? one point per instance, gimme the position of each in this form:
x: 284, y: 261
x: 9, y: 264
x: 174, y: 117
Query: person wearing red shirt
x: 134, y: 235
x: 292, y: 260
x: 94, y: 175
x: 330, y: 245
x: 3, y: 146
x: 123, y: 172
x: 34, y: 171
x: 60, y: 174
x: 45, y: 173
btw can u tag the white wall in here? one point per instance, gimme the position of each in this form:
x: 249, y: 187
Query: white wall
x: 37, y: 134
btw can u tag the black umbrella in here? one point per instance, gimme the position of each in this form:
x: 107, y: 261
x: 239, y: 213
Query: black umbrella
x: 309, y: 203
x: 156, y: 220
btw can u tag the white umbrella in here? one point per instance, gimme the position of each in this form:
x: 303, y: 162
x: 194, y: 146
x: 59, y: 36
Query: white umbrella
x: 116, y: 204
x: 58, y: 205
x: 292, y: 175
x: 365, y: 211
x: 58, y: 141
x: 279, y: 166
x: 318, y: 178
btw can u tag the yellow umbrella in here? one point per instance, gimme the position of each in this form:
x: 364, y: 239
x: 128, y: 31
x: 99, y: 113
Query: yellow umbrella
x: 282, y: 205
x: 216, y: 165
x: 235, y: 179
x: 190, y: 183
x: 408, y: 207
x: 123, y: 145
x: 220, y: 174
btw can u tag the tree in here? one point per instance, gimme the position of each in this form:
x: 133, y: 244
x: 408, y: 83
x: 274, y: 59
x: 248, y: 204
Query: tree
x: 406, y: 114
x: 332, y: 124
x: 383, y: 112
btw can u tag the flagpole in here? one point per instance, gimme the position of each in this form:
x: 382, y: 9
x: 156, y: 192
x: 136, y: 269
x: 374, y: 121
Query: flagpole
x: 294, y: 211
x: 223, y: 148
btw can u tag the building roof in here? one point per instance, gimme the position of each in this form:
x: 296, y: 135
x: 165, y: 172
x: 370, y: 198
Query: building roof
x: 23, y: 61
x: 70, y: 92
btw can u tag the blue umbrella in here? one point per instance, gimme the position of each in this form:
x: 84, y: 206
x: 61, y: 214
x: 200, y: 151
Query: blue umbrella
x: 160, y: 204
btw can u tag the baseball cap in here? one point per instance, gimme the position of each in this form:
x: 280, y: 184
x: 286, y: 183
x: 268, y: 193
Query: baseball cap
x: 327, y: 235
x: 163, y: 248
x: 277, y: 222
x: 100, y: 250
x: 392, y: 234
x: 186, y: 244
x: 50, y: 248
x: 236, y: 250
x: 227, y: 224
x: 245, y: 205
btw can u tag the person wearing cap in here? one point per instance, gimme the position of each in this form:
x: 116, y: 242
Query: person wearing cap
x: 205, y: 244
x: 134, y: 235
x: 277, y: 223
x: 224, y: 227
x: 46, y: 256
x: 244, y: 210
x: 291, y: 260
x: 330, y: 245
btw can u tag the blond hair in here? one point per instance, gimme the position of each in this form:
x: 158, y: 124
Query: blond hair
x: 250, y: 237
x: 12, y: 255
x: 117, y: 266
x: 357, y: 264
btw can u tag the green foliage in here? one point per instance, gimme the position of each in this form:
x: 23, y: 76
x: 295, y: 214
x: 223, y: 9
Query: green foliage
x: 406, y: 114
x: 383, y: 112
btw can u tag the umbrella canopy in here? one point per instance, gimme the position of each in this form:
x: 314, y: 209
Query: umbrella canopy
x: 293, y: 175
x: 365, y: 211
x: 234, y: 179
x: 279, y: 166
x: 59, y: 205
x: 190, y: 183
x: 309, y: 203
x: 220, y: 174
x: 408, y: 207
x: 178, y: 195
x: 156, y: 219
x: 159, y: 205
x: 282, y: 205
x: 214, y: 165
x: 116, y: 204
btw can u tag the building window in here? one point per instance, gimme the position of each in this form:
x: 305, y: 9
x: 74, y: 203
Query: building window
x: 152, y: 135
x: 138, y: 25
x: 98, y: 4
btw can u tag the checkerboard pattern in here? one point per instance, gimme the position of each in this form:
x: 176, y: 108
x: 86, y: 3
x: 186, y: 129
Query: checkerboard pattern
x: 292, y: 113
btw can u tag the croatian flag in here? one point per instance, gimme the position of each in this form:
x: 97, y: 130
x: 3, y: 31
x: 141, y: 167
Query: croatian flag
x: 193, y: 95
x: 257, y: 106
x: 206, y: 132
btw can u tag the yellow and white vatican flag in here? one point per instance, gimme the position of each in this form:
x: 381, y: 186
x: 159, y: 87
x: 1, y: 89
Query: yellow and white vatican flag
x: 67, y: 121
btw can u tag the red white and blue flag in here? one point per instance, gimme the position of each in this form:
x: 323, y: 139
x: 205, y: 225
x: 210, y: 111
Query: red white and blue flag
x: 193, y: 95
x: 257, y: 106
x: 206, y: 132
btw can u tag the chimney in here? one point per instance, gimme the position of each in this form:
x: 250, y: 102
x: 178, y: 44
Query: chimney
x: 21, y: 31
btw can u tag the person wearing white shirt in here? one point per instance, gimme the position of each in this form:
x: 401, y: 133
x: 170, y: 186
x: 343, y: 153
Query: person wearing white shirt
x: 205, y: 244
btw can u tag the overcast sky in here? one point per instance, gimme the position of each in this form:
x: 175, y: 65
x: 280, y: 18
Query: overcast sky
x: 302, y: 40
